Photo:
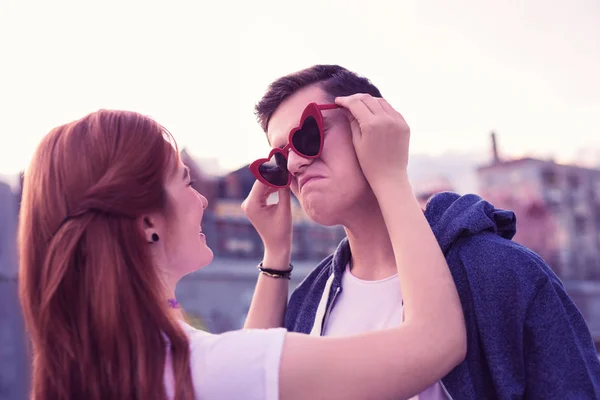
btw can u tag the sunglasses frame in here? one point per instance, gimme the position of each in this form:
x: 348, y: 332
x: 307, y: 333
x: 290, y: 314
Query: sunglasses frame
x: 311, y: 110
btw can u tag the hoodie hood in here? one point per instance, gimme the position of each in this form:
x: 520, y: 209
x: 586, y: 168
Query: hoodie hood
x: 452, y: 216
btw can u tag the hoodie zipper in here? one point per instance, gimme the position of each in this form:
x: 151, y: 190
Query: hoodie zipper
x: 337, y: 290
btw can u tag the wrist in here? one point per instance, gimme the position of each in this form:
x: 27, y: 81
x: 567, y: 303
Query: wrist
x: 279, y: 260
x: 396, y: 182
x: 396, y: 193
x: 276, y: 273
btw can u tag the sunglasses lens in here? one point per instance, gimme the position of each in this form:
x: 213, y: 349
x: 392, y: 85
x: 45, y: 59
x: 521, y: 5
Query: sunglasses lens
x: 275, y: 170
x: 307, y: 139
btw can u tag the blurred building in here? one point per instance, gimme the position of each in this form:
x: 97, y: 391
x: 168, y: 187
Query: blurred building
x: 557, y: 208
x: 13, y: 361
x: 9, y: 210
x: 558, y: 216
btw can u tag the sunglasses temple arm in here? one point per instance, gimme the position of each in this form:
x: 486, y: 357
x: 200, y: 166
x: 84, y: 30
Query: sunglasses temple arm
x: 327, y: 106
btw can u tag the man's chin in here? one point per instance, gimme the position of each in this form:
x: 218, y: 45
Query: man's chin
x: 327, y: 208
x: 322, y: 215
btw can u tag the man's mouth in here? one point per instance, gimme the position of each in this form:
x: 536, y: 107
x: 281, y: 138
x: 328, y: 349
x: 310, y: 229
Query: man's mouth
x: 305, y: 180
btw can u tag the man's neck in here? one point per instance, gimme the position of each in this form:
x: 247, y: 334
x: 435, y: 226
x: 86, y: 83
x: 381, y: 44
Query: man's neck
x: 372, y: 253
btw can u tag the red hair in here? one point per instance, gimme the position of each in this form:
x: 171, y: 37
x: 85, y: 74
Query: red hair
x: 91, y: 297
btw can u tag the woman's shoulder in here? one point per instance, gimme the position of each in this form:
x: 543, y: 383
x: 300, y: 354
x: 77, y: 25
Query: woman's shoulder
x: 251, y: 356
x: 202, y: 338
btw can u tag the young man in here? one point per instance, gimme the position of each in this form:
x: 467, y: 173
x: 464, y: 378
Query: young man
x: 526, y: 338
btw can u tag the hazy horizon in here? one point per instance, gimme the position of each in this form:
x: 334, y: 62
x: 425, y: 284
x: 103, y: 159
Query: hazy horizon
x: 455, y: 71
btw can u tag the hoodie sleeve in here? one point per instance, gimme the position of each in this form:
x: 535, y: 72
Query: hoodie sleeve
x: 526, y: 337
x: 535, y: 340
x: 560, y: 361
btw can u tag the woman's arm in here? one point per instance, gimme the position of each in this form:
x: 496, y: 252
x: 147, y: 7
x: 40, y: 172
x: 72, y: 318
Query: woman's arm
x: 273, y: 222
x: 269, y: 302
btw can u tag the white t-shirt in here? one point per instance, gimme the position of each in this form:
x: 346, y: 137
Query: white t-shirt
x: 365, y: 306
x: 241, y: 364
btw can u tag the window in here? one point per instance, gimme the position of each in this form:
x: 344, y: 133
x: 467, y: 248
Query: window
x: 580, y: 225
x: 574, y: 181
x: 549, y: 177
x: 553, y: 197
x: 596, y: 189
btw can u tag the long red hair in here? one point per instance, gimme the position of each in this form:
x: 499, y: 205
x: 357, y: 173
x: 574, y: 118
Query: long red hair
x: 91, y: 297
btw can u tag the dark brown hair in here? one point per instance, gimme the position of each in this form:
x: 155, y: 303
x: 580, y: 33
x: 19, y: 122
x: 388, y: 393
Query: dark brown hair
x: 90, y: 295
x: 336, y: 81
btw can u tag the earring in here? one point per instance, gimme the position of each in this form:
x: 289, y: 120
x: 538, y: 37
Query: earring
x: 154, y: 238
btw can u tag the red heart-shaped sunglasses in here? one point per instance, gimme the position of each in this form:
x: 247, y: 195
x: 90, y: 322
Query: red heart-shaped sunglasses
x: 306, y: 140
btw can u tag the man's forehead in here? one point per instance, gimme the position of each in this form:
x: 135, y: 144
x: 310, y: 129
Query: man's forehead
x: 287, y: 115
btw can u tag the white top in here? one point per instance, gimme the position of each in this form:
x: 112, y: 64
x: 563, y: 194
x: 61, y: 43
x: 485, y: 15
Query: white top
x: 241, y: 364
x: 365, y: 306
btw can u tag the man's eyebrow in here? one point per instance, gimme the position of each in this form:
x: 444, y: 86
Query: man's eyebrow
x: 280, y: 146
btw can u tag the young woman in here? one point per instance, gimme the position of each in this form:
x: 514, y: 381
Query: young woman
x: 110, y: 223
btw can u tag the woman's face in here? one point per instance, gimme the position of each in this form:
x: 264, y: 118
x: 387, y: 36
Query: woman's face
x: 181, y: 247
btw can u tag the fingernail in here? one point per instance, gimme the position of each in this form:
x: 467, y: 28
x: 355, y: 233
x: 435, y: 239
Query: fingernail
x: 273, y: 198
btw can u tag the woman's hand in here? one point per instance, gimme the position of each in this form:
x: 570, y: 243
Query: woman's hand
x: 273, y: 222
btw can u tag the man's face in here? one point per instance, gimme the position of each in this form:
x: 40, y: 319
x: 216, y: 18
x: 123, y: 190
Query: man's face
x: 330, y: 186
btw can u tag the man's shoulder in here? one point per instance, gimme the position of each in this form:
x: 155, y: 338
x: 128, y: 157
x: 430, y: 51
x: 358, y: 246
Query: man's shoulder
x: 485, y: 251
x: 306, y: 297
x: 519, y: 313
x: 498, y: 269
x: 317, y: 275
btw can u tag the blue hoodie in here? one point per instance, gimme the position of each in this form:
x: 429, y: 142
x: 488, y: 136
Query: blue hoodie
x: 526, y: 338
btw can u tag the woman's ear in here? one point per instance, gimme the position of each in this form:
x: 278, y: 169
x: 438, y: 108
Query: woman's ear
x: 148, y: 226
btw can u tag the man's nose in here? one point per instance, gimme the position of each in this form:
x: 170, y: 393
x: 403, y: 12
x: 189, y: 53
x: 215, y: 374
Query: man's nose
x: 296, y: 163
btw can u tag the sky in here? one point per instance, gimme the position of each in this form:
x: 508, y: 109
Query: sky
x: 455, y: 70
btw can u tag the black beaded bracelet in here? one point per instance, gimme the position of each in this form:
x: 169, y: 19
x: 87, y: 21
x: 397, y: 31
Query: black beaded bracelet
x: 276, y: 273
